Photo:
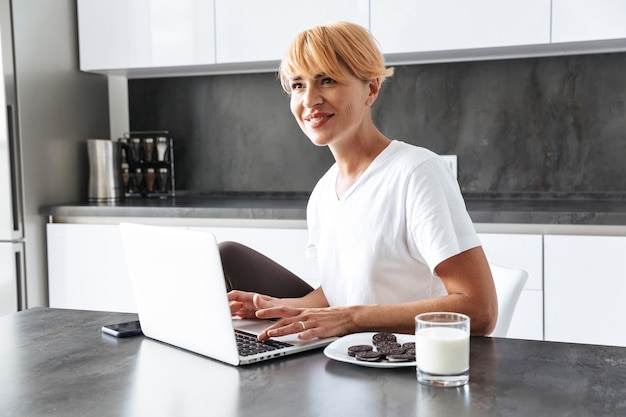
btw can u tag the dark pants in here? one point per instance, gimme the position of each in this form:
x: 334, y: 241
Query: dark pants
x: 248, y: 270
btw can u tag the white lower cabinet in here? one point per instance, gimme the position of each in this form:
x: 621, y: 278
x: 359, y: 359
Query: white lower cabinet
x: 584, y: 289
x: 576, y: 284
x: 87, y: 268
x: 524, y: 251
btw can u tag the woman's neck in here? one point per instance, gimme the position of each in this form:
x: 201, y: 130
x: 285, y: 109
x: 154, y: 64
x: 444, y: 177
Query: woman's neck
x: 354, y: 159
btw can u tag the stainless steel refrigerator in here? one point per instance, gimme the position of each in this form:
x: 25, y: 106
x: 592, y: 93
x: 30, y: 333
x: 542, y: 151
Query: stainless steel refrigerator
x: 12, y: 281
x: 49, y: 109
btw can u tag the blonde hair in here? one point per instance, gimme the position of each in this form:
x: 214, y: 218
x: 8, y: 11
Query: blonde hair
x: 327, y: 48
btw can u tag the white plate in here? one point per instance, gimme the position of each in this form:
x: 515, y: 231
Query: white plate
x: 338, y: 350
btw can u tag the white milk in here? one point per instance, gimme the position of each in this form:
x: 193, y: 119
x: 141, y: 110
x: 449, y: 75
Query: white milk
x: 442, y: 351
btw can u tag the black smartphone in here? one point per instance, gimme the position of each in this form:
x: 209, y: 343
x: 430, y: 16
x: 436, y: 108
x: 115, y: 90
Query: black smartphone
x: 130, y: 328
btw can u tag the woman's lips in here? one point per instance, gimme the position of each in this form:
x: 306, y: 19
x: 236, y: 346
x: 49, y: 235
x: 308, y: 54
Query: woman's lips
x: 318, y: 119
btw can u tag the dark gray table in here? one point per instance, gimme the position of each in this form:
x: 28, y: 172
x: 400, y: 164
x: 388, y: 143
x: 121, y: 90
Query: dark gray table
x: 57, y: 362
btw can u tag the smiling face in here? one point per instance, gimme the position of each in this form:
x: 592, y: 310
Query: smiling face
x: 331, y: 111
x: 333, y: 74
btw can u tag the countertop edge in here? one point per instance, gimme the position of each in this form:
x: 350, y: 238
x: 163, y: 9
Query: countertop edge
x: 483, y: 211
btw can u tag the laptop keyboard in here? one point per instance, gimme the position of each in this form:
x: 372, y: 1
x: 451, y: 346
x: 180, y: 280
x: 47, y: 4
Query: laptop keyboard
x: 248, y: 344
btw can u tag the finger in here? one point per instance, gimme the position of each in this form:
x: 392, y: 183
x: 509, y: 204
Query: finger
x: 281, y: 329
x: 243, y: 296
x: 270, y: 308
x: 263, y: 301
x: 309, y: 334
x: 277, y: 312
x: 235, y: 306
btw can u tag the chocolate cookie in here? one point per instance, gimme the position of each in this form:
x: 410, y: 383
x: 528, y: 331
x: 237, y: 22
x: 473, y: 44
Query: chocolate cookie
x: 409, y: 345
x: 369, y: 356
x: 384, y: 337
x: 388, y: 345
x: 391, y: 351
x: 401, y: 357
x: 353, y: 350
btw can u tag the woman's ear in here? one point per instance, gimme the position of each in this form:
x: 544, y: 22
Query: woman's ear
x: 374, y: 88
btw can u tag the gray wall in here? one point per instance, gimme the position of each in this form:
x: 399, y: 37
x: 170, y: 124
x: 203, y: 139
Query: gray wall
x: 544, y: 126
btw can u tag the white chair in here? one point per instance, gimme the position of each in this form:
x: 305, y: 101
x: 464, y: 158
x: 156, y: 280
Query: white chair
x: 509, y: 284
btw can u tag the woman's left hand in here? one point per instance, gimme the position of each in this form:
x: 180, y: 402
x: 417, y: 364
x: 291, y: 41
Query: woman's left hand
x: 308, y: 323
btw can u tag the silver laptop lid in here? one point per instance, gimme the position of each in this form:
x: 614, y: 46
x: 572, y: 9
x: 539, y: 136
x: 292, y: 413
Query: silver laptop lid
x: 177, y: 302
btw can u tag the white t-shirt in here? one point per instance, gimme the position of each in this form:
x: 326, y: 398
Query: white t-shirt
x: 381, y: 242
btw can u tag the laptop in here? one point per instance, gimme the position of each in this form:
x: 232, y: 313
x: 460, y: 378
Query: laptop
x: 180, y: 294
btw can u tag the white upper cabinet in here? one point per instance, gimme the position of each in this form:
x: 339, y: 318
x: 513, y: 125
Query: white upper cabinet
x: 122, y: 34
x: 248, y: 31
x: 403, y: 26
x: 588, y: 20
x: 145, y: 38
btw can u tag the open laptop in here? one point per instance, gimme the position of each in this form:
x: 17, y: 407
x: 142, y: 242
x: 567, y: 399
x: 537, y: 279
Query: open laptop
x: 180, y: 294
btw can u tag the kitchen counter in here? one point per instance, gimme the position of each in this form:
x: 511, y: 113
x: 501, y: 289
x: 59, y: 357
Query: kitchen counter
x: 547, y: 211
x: 219, y: 207
x: 57, y: 363
x: 590, y: 210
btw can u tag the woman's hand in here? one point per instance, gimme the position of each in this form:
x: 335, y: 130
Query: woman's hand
x: 307, y: 323
x: 245, y: 304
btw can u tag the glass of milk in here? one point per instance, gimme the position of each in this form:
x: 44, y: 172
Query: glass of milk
x: 442, y: 348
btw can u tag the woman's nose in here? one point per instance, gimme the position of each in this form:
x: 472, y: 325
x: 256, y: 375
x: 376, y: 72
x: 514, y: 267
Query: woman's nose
x: 312, y: 97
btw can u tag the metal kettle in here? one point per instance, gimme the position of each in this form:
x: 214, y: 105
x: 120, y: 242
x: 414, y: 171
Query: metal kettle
x: 105, y: 174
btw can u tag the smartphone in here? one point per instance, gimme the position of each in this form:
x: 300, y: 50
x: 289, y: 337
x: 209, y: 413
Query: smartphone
x: 130, y: 328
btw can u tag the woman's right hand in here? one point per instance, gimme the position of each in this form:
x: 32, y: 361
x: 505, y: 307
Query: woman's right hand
x: 245, y: 304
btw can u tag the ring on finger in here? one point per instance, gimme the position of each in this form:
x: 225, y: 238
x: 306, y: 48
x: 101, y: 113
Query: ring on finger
x: 303, y: 325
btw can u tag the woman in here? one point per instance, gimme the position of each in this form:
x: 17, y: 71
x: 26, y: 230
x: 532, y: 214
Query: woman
x: 387, y: 222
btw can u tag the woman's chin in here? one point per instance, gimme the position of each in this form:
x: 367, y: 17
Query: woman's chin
x: 318, y: 141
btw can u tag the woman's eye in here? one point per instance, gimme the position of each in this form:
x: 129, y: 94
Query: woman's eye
x: 296, y: 86
x: 327, y: 80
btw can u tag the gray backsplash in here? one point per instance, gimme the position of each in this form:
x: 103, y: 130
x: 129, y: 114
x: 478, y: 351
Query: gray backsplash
x: 537, y: 126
